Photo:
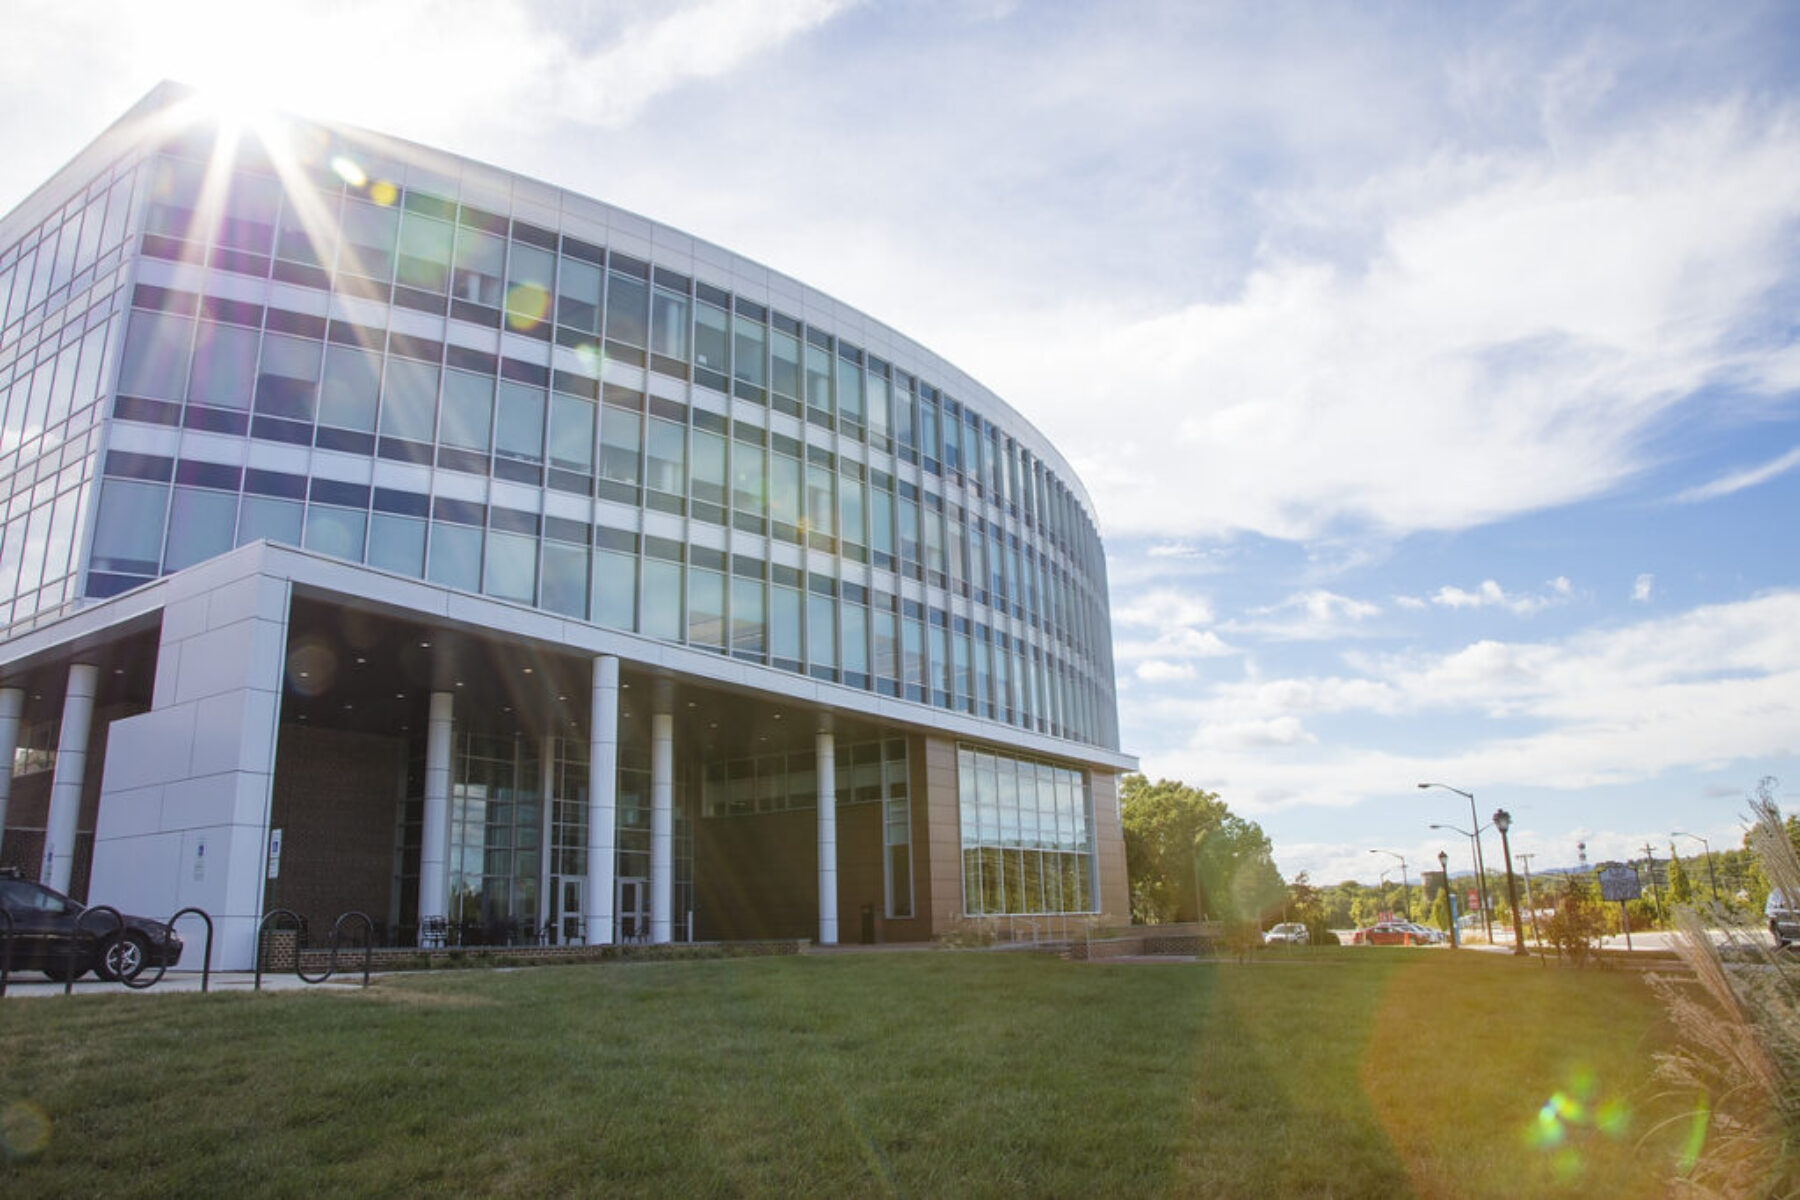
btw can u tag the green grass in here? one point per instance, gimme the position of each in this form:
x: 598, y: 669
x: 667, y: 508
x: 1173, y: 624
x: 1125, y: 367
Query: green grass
x: 1329, y: 1073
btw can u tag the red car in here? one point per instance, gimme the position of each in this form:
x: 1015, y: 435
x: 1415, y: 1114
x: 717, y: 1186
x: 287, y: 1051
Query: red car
x: 1388, y: 933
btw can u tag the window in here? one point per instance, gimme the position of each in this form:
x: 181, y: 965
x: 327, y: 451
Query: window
x: 156, y: 356
x: 224, y: 366
x: 784, y: 624
x: 706, y: 608
x: 175, y: 188
x: 747, y: 634
x: 307, y: 230
x: 128, y: 528
x: 712, y: 341
x: 850, y: 391
x: 409, y: 400
x: 480, y: 257
x: 247, y: 220
x: 510, y: 569
x: 528, y: 277
x: 818, y: 382
x: 201, y: 524
x: 520, y: 431
x: 784, y: 364
x: 666, y: 458
x: 627, y: 310
x: 468, y: 411
x: 669, y: 325
x: 455, y: 556
x: 662, y: 610
x: 709, y: 467
x: 425, y: 252
x: 287, y: 381
x: 821, y: 631
x: 578, y: 285
x: 571, y: 433
x: 336, y: 531
x: 352, y: 383
x: 565, y: 579
x: 615, y: 589
x: 396, y: 543
x: 749, y: 350
x: 269, y: 519
x: 368, y: 240
x: 749, y: 487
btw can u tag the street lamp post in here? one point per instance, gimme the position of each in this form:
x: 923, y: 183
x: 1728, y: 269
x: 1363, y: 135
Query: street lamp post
x: 1475, y: 862
x: 1405, y: 903
x: 1449, y: 896
x: 1487, y: 917
x: 1503, y: 822
x: 1710, y: 877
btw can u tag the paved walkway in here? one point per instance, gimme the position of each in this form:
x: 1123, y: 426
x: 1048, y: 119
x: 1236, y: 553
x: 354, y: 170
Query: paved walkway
x: 26, y: 984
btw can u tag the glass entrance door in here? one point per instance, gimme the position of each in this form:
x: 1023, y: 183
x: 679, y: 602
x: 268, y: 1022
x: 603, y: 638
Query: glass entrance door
x: 566, y: 914
x: 634, y: 910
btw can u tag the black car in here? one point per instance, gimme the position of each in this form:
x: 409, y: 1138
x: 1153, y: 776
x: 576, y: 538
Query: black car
x: 65, y: 939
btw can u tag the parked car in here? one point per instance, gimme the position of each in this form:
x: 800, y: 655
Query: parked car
x: 1390, y: 933
x: 1784, y: 922
x: 1431, y: 936
x: 65, y: 939
x: 1288, y: 933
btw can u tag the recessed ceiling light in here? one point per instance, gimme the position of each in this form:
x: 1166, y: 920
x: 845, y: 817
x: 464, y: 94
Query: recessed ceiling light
x: 424, y: 645
x: 360, y: 660
x: 528, y: 670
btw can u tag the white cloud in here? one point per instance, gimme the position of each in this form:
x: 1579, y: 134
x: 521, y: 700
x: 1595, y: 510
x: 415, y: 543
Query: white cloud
x: 1165, y: 626
x: 1314, y: 615
x: 1640, y: 588
x: 1411, y: 603
x: 1737, y: 481
x: 1491, y: 595
x: 1242, y: 735
x: 1158, y: 670
x: 1699, y: 689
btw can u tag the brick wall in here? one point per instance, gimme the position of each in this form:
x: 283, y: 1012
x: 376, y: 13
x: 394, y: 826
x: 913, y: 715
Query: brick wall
x: 334, y: 801
x: 758, y: 876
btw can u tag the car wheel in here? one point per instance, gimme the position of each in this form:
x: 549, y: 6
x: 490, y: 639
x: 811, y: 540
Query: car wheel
x: 123, y: 958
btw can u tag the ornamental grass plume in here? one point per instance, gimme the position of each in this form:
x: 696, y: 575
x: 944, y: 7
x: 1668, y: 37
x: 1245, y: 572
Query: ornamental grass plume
x: 1737, y: 1061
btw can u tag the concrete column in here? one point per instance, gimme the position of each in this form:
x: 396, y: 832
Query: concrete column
x: 12, y: 705
x: 434, y: 836
x: 662, y: 820
x: 71, y: 768
x: 826, y: 752
x: 603, y: 802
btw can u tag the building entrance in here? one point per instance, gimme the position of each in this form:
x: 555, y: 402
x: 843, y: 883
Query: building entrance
x: 566, y: 917
x: 634, y: 910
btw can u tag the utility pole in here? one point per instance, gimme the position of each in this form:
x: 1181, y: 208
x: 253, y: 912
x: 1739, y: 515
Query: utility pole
x: 1650, y: 856
x: 1529, y: 902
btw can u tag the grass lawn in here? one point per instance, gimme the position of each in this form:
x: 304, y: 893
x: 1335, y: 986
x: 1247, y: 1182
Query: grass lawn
x: 1313, y: 1072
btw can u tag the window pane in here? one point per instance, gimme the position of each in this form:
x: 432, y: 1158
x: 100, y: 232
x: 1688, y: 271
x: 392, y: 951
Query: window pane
x: 709, y: 467
x: 456, y: 556
x: 528, y: 277
x: 287, y: 381
x: 307, y: 231
x: 747, y: 616
x: 156, y: 355
x: 578, y: 295
x: 706, y: 608
x: 511, y: 566
x: 818, y: 380
x: 712, y: 348
x: 821, y: 630
x: 627, y: 310
x: 619, y: 444
x: 615, y: 589
x: 850, y: 394
x: 247, y: 219
x: 749, y: 492
x: 855, y: 638
x: 565, y: 583
x: 784, y: 489
x: 666, y: 457
x: 336, y: 531
x: 662, y: 599
x: 128, y: 528
x: 269, y: 519
x: 201, y: 524
x: 352, y: 383
x: 224, y: 366
x: 368, y: 240
x: 175, y: 187
x: 820, y: 514
x: 850, y: 509
x: 425, y: 252
x: 571, y: 433
x: 479, y: 259
x: 669, y: 325
x: 784, y: 623
x: 409, y: 400
x: 748, y: 349
x: 520, y: 432
x: 784, y: 363
x: 397, y: 544
x: 468, y: 411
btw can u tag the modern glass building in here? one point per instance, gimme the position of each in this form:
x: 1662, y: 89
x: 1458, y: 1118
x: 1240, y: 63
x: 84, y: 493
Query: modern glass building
x: 387, y: 532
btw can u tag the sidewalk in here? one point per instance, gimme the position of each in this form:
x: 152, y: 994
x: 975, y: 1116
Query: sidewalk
x: 27, y: 984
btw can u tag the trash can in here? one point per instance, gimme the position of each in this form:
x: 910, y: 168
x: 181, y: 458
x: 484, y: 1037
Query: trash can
x: 868, y: 924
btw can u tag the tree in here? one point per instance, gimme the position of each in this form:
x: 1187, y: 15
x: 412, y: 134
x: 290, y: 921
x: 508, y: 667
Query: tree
x: 1681, y: 888
x: 1189, y: 856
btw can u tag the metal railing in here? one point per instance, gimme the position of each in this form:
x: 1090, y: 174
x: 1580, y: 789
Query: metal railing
x: 299, y: 926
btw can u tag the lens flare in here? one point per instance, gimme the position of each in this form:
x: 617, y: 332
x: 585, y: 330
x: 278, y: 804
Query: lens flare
x: 383, y: 193
x: 349, y: 172
x: 24, y: 1129
x: 591, y: 357
x: 527, y: 305
x: 1572, y: 1114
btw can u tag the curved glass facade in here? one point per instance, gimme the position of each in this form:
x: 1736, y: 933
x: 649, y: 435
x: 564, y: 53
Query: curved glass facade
x: 397, y: 369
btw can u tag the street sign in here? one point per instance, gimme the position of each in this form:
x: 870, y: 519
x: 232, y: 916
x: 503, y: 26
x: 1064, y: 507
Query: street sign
x: 1619, y: 881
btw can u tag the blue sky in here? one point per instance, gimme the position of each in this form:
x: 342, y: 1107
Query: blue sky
x: 1434, y: 368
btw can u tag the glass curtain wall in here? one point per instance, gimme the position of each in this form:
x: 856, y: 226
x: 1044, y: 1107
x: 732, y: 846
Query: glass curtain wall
x: 1027, y: 835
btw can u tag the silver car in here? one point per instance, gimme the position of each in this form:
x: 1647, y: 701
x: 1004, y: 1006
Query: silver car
x: 1289, y: 933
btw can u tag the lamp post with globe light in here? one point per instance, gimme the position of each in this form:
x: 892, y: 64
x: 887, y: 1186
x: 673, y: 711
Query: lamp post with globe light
x: 1487, y: 918
x: 1503, y: 822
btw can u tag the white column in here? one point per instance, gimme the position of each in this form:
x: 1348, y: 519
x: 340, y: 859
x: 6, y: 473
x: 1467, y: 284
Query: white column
x: 662, y: 821
x: 434, y: 836
x: 603, y: 799
x: 12, y: 705
x: 546, y: 828
x: 826, y: 752
x: 71, y: 768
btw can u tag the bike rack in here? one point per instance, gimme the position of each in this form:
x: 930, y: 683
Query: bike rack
x: 205, y: 963
x: 118, y: 927
x: 6, y: 956
x: 336, y: 936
